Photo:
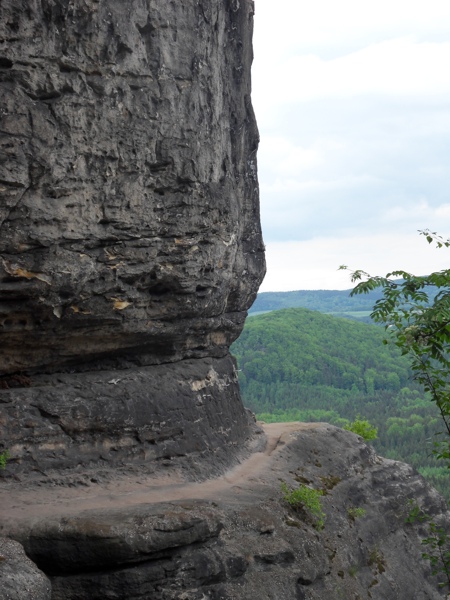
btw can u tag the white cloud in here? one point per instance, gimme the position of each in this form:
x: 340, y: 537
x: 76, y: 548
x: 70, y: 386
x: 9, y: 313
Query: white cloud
x: 287, y: 158
x: 298, y: 26
x: 313, y: 264
x: 353, y: 106
x: 392, y: 67
x: 420, y: 212
x: 308, y: 185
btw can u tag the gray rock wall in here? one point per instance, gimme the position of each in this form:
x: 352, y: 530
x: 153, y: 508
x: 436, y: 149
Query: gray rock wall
x: 187, y: 415
x: 129, y: 220
x: 20, y: 579
x: 130, y: 242
x: 244, y: 542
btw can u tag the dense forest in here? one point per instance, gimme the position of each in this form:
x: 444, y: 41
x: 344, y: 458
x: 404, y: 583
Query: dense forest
x: 338, y: 303
x: 301, y: 365
x: 327, y: 301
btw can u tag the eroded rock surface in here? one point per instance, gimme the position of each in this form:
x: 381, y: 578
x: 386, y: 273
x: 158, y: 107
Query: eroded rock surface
x: 130, y: 242
x: 235, y: 538
x: 188, y: 416
x: 129, y: 219
x: 20, y: 579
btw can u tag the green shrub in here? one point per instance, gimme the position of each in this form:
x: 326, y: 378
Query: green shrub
x: 363, y: 428
x: 377, y: 560
x: 3, y: 459
x: 306, y: 499
x: 355, y: 513
x: 437, y: 542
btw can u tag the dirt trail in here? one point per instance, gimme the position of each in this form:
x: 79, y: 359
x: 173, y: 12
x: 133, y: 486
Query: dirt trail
x: 25, y: 504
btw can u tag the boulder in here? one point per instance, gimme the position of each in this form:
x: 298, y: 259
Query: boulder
x: 20, y: 579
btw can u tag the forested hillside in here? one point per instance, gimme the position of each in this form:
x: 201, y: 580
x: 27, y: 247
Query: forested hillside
x: 322, y: 300
x: 335, y: 302
x: 298, y: 364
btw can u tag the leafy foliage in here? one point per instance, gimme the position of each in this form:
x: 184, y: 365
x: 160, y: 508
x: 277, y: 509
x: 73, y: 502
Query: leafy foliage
x: 437, y: 542
x: 301, y: 365
x: 355, y: 512
x: 420, y: 326
x: 306, y: 499
x: 3, y: 459
x: 363, y: 428
x: 307, y: 348
x: 377, y: 560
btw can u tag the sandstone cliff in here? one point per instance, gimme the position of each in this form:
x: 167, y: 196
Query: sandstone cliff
x: 130, y: 251
x: 233, y: 537
x: 129, y: 228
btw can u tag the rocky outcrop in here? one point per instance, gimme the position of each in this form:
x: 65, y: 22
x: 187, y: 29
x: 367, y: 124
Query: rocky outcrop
x: 129, y: 228
x: 130, y: 251
x: 235, y: 538
x: 20, y: 579
x: 188, y: 417
x: 129, y: 223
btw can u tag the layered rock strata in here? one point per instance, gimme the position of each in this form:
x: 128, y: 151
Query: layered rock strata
x: 235, y: 538
x: 187, y: 416
x: 129, y: 226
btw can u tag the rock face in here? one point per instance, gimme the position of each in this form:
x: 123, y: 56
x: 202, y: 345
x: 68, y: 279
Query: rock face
x: 237, y: 539
x: 129, y: 223
x: 130, y: 251
x: 20, y: 579
x: 130, y: 242
x: 188, y: 416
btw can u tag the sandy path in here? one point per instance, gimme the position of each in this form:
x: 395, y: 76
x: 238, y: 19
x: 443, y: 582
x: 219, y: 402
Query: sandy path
x: 25, y: 504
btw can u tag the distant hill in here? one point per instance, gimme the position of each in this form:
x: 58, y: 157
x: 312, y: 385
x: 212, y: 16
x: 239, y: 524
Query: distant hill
x: 335, y: 302
x: 298, y: 364
x: 326, y: 301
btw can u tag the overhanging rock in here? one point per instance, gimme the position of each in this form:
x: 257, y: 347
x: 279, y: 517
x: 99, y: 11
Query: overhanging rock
x: 130, y: 239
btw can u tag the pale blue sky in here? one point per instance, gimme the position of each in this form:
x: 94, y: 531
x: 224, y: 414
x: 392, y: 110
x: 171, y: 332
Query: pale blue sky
x: 353, y: 105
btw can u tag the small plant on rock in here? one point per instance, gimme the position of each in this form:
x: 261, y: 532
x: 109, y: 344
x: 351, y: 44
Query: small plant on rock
x: 376, y: 560
x: 355, y: 512
x: 363, y: 428
x: 306, y: 499
x: 437, y: 543
x: 4, y: 459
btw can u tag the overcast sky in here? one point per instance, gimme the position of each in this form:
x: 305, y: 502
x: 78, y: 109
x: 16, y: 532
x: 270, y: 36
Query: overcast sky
x: 352, y: 100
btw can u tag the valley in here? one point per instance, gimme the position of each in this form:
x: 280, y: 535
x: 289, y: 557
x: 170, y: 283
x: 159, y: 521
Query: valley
x: 296, y: 364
